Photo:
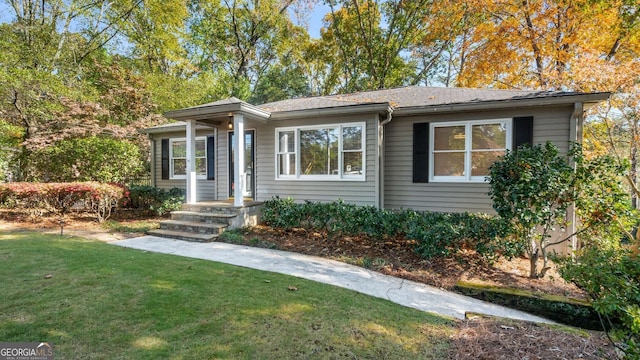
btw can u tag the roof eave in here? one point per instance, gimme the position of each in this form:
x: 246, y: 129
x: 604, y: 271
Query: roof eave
x: 587, y: 99
x: 214, y: 111
x: 331, y: 111
x: 178, y: 126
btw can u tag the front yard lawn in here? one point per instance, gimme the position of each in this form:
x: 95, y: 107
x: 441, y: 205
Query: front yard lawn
x: 97, y: 301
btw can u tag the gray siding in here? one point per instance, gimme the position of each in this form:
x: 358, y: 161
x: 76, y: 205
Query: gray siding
x: 206, y: 189
x: 400, y: 191
x: 357, y: 192
x: 222, y: 164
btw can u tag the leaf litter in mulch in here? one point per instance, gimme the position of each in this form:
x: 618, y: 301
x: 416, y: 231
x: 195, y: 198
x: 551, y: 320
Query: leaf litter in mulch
x: 396, y: 257
x: 491, y: 339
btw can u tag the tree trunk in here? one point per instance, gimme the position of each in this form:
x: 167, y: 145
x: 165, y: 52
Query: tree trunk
x: 633, y: 172
x: 533, y: 262
x: 533, y: 256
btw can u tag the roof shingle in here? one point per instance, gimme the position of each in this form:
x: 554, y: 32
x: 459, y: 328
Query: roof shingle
x: 410, y: 96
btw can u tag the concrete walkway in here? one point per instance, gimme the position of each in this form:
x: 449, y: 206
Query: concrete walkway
x: 403, y: 292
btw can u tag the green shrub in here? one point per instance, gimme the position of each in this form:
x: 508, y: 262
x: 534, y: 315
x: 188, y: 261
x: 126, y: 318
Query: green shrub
x: 160, y: 201
x: 281, y: 213
x: 232, y: 237
x: 443, y: 234
x: 94, y: 158
x: 171, y: 200
x: 533, y: 188
x: 141, y: 197
x: 436, y: 234
x: 611, y: 277
x: 335, y: 218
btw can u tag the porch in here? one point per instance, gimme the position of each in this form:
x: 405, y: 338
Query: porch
x: 205, y: 221
x: 232, y: 116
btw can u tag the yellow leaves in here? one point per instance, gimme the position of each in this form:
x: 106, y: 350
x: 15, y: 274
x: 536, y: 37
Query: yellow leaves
x: 549, y: 44
x: 592, y: 72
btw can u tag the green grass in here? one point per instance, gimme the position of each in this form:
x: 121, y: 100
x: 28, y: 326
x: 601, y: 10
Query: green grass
x: 107, y: 302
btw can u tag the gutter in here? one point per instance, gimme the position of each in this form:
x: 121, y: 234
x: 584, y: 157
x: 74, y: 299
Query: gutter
x: 222, y: 111
x: 177, y: 126
x: 587, y: 99
x: 331, y: 111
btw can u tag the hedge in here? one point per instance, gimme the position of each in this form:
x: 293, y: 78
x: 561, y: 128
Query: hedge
x: 58, y: 198
x: 436, y: 234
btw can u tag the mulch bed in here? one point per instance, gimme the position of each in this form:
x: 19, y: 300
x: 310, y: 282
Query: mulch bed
x: 397, y: 258
x: 488, y: 339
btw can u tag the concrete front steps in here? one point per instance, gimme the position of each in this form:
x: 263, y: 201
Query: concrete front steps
x: 204, y: 222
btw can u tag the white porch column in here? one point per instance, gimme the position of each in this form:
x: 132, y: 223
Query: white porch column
x: 191, y: 162
x: 238, y: 168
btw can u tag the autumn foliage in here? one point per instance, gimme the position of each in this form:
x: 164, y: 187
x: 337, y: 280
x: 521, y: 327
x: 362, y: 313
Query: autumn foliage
x: 59, y: 198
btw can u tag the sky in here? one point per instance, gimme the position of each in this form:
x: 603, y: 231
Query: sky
x: 314, y: 19
x: 318, y: 11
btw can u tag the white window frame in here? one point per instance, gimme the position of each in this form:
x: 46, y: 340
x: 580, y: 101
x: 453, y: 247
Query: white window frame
x: 468, y: 148
x: 172, y: 174
x: 340, y: 176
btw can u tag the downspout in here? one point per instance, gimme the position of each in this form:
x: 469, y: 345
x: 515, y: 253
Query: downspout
x: 379, y: 186
x: 389, y: 117
x: 152, y: 159
x: 577, y: 119
x: 215, y: 162
x: 575, y: 136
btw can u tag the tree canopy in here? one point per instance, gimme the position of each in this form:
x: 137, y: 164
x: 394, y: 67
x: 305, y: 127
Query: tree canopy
x: 77, y: 68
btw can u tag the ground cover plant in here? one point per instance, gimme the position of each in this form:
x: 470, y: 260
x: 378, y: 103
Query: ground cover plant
x: 93, y: 300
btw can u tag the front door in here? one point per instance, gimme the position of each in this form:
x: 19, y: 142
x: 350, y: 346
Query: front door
x: 249, y: 157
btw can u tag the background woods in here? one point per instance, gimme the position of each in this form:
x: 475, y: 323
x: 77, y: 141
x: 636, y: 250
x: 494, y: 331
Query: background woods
x: 98, y: 70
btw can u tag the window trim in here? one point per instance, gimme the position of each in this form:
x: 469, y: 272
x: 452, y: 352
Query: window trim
x: 468, y: 150
x: 172, y: 175
x: 316, y: 177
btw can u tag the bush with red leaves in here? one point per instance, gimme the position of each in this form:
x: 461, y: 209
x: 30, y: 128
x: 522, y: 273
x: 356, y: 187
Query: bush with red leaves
x: 58, y: 198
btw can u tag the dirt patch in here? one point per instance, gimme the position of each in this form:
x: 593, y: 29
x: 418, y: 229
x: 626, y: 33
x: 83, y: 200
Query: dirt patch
x: 75, y: 224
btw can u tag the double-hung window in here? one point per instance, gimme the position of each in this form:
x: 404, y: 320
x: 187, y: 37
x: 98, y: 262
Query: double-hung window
x: 178, y: 158
x: 464, y: 151
x: 327, y: 152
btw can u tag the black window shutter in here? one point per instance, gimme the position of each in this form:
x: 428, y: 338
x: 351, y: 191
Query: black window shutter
x: 165, y: 159
x: 522, y: 131
x: 211, y: 158
x: 421, y: 152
